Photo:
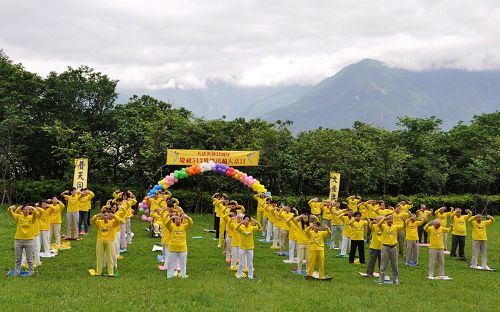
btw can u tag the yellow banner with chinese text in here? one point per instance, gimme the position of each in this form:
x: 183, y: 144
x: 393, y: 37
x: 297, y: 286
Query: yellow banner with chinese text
x: 230, y: 158
x: 334, y: 185
x: 80, y: 177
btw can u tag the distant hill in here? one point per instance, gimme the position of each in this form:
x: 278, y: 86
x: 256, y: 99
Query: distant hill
x: 374, y: 93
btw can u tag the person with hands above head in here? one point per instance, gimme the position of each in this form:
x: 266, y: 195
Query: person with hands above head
x: 358, y: 227
x: 389, y: 239
x: 57, y: 207
x: 72, y: 213
x: 412, y: 247
x: 375, y: 246
x: 317, y: 238
x: 25, y: 217
x: 247, y: 228
x: 353, y: 201
x: 106, y: 225
x: 423, y: 214
x: 459, y: 222
x: 177, y: 247
x: 479, y: 240
x: 85, y: 206
x: 436, y: 247
x: 442, y: 215
x: 300, y: 224
x: 316, y: 206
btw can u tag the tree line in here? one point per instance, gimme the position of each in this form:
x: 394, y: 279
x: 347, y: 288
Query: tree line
x: 46, y: 122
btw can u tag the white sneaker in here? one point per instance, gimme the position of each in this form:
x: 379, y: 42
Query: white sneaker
x: 431, y: 277
x: 487, y: 268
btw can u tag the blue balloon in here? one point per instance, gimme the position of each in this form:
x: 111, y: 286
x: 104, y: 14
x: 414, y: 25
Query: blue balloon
x: 268, y: 194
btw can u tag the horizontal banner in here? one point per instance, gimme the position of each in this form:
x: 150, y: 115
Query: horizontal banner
x: 230, y: 158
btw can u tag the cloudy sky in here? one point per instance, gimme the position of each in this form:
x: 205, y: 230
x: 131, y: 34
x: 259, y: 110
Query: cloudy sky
x: 160, y: 44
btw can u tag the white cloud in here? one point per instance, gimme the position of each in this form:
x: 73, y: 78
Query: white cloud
x: 162, y: 44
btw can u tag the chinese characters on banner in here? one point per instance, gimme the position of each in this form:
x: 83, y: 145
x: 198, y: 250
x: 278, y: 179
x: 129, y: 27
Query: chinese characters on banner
x: 81, y: 173
x: 230, y: 158
x: 334, y: 185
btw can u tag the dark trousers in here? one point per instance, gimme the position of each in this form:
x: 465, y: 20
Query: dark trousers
x: 88, y: 219
x: 375, y: 254
x: 82, y: 221
x: 457, y: 241
x: 422, y: 235
x: 216, y: 225
x: 360, y: 245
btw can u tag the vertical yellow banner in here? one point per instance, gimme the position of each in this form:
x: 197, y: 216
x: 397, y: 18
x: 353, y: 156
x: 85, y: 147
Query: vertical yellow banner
x: 81, y: 173
x: 334, y: 185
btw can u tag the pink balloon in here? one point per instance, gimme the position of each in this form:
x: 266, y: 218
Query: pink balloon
x: 150, y: 219
x: 144, y: 218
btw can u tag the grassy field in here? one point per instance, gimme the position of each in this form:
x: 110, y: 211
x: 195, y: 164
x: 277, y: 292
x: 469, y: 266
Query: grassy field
x: 63, y: 283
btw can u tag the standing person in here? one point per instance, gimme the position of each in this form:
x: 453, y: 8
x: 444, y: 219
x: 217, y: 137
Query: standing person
x: 357, y: 237
x: 267, y: 218
x: 436, y: 247
x: 72, y: 213
x: 327, y: 215
x: 246, y: 229
x: 412, y: 248
x: 443, y: 216
x: 24, y: 235
x: 346, y: 234
x: 85, y: 205
x: 353, y: 201
x: 293, y: 237
x: 375, y: 247
x: 316, y: 206
x: 177, y: 248
x: 106, y: 225
x: 389, y: 241
x: 128, y: 201
x: 261, y: 200
x: 337, y: 222
x: 316, y: 249
x: 215, y: 203
x: 479, y: 239
x: 55, y: 220
x: 284, y: 215
x: 459, y: 224
x: 422, y: 214
x: 44, y: 218
x: 399, y: 218
x: 301, y: 224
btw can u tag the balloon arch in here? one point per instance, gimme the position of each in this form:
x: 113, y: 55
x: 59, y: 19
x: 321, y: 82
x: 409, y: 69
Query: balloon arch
x: 201, y: 168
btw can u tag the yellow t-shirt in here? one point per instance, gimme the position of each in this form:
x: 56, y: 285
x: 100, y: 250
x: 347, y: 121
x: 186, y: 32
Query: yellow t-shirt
x: 86, y: 201
x: 285, y: 216
x: 460, y: 224
x: 412, y: 229
x: 372, y: 210
x: 55, y: 216
x: 443, y: 216
x: 399, y: 218
x: 260, y: 202
x: 73, y: 202
x: 45, y: 219
x: 406, y: 207
x: 436, y: 236
x: 327, y: 212
x: 423, y: 215
x: 107, y: 231
x: 235, y: 236
x: 317, y: 239
x: 353, y: 202
x: 315, y: 207
x: 346, y: 228
x: 358, y: 229
x: 375, y: 243
x: 158, y: 202
x: 302, y: 237
x: 337, y: 218
x: 246, y: 235
x: 178, y: 235
x: 365, y: 212
x: 24, y: 228
x: 389, y: 233
x: 479, y: 229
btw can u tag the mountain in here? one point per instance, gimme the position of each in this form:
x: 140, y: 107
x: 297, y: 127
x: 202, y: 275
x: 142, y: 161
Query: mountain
x: 219, y: 98
x: 371, y: 92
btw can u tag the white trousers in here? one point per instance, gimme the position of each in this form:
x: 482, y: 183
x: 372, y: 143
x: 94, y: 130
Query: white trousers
x: 72, y: 224
x: 303, y: 255
x: 123, y: 236
x: 269, y: 232
x: 276, y: 235
x: 45, y: 240
x: 235, y: 255
x: 55, y: 231
x: 165, y: 254
x: 292, y: 246
x: 246, y: 254
x: 174, y: 257
x: 227, y: 247
x: 346, y: 244
x: 128, y: 230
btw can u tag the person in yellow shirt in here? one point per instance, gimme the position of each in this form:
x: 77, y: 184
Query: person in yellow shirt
x: 406, y: 206
x: 283, y: 215
x: 300, y: 224
x: 261, y: 200
x: 272, y: 211
x: 177, y: 248
x: 436, y: 247
x: 316, y: 206
x: 216, y: 198
x: 357, y: 237
x: 72, y: 213
x: 423, y: 214
x: 84, y: 210
x: 157, y: 221
x: 336, y: 235
x: 442, y: 215
x: 316, y: 249
x: 479, y: 239
x: 389, y: 239
x: 459, y: 232
x: 24, y: 235
x: 346, y: 234
x: 375, y: 247
x: 399, y: 218
x: 353, y: 201
x: 106, y: 225
x: 55, y: 220
x: 129, y: 201
x: 44, y: 220
x: 246, y: 228
x: 412, y: 248
x: 233, y: 220
x: 327, y: 216
x: 223, y: 205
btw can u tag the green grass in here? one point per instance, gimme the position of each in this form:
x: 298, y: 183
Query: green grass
x: 63, y: 283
